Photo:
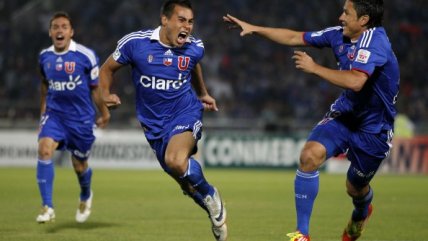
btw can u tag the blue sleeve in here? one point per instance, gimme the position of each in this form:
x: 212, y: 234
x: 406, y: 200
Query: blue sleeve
x: 94, y: 71
x: 372, y: 52
x: 323, y: 38
x: 123, y: 52
x: 200, y: 49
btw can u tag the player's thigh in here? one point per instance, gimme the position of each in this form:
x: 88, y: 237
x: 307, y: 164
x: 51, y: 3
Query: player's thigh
x: 332, y: 134
x: 181, y: 144
x: 80, y: 139
x: 51, y: 135
x: 178, y: 151
x: 366, y: 153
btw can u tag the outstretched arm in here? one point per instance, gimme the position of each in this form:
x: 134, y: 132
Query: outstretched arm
x: 280, y: 35
x: 107, y: 71
x: 201, y: 90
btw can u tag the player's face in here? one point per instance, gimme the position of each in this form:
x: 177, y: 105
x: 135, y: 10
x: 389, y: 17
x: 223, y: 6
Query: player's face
x: 177, y: 28
x: 353, y: 26
x: 61, y: 33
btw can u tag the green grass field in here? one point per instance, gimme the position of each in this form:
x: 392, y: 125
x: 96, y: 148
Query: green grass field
x: 147, y: 205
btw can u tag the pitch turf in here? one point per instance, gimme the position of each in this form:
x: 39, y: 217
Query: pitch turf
x: 147, y: 205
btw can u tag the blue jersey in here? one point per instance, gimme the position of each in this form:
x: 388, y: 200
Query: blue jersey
x: 161, y: 76
x: 373, y: 108
x: 70, y: 76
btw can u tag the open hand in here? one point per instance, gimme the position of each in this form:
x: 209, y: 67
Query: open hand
x: 236, y: 23
x: 304, y: 62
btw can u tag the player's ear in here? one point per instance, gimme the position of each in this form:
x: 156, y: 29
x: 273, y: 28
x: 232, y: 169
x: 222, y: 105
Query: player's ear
x: 364, y: 20
x: 164, y: 20
x: 72, y: 32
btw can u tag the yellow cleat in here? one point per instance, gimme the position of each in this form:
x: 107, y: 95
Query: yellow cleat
x: 298, y: 236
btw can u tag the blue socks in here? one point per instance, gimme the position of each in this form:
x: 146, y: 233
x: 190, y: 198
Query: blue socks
x: 195, y: 177
x: 85, y: 184
x: 45, y: 177
x: 306, y: 187
x: 361, y: 210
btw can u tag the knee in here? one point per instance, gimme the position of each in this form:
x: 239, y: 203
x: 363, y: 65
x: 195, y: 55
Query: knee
x: 311, y: 158
x: 79, y: 166
x: 177, y: 164
x: 45, y: 152
x: 356, y: 192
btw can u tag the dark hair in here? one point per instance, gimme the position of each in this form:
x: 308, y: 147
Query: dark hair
x: 372, y: 8
x: 168, y: 6
x: 60, y: 14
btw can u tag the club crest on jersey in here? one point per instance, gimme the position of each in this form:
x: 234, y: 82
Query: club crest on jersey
x: 70, y: 67
x: 58, y: 66
x: 167, y: 61
x: 183, y: 63
x: 351, y: 52
x: 150, y: 58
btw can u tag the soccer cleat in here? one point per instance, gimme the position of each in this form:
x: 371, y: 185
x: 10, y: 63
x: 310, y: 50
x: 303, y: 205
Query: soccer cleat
x: 220, y: 233
x: 217, y: 215
x: 47, y: 214
x: 84, y: 210
x: 298, y: 236
x: 355, y: 228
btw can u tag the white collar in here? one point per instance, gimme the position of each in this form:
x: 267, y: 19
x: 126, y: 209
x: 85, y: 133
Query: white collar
x: 156, y: 36
x: 71, y: 47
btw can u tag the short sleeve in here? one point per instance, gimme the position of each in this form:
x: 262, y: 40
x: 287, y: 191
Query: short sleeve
x: 371, y: 53
x: 323, y: 38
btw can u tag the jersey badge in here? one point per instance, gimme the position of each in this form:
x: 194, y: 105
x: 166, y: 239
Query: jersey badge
x: 58, y: 65
x: 351, y: 52
x: 183, y: 63
x: 363, y: 56
x: 150, y: 58
x: 167, y: 61
x: 70, y: 67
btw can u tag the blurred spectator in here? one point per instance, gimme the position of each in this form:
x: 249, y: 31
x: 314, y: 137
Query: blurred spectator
x: 250, y: 78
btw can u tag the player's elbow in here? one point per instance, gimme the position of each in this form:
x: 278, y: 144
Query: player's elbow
x: 356, y: 87
x: 358, y: 79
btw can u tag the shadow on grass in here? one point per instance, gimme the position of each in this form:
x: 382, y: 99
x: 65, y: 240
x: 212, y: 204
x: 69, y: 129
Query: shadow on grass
x: 80, y: 226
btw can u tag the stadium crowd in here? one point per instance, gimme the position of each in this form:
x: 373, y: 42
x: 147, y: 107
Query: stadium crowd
x: 252, y: 79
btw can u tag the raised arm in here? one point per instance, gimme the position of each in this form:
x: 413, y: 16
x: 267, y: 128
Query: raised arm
x: 201, y: 90
x: 107, y: 71
x: 280, y: 35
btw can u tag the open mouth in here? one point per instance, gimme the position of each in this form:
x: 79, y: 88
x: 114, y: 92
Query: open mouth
x: 182, y: 37
x: 59, y: 37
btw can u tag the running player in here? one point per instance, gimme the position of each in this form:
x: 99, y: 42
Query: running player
x: 165, y: 66
x: 69, y: 86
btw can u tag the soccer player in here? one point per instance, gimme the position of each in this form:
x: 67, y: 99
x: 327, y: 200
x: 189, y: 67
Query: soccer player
x: 360, y: 121
x: 69, y: 86
x: 165, y: 66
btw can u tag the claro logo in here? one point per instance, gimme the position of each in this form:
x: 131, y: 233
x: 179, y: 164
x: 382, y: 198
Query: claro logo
x: 62, y: 86
x: 161, y: 84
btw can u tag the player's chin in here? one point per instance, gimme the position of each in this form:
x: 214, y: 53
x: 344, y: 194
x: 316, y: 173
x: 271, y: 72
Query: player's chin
x: 59, y: 45
x: 178, y: 44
